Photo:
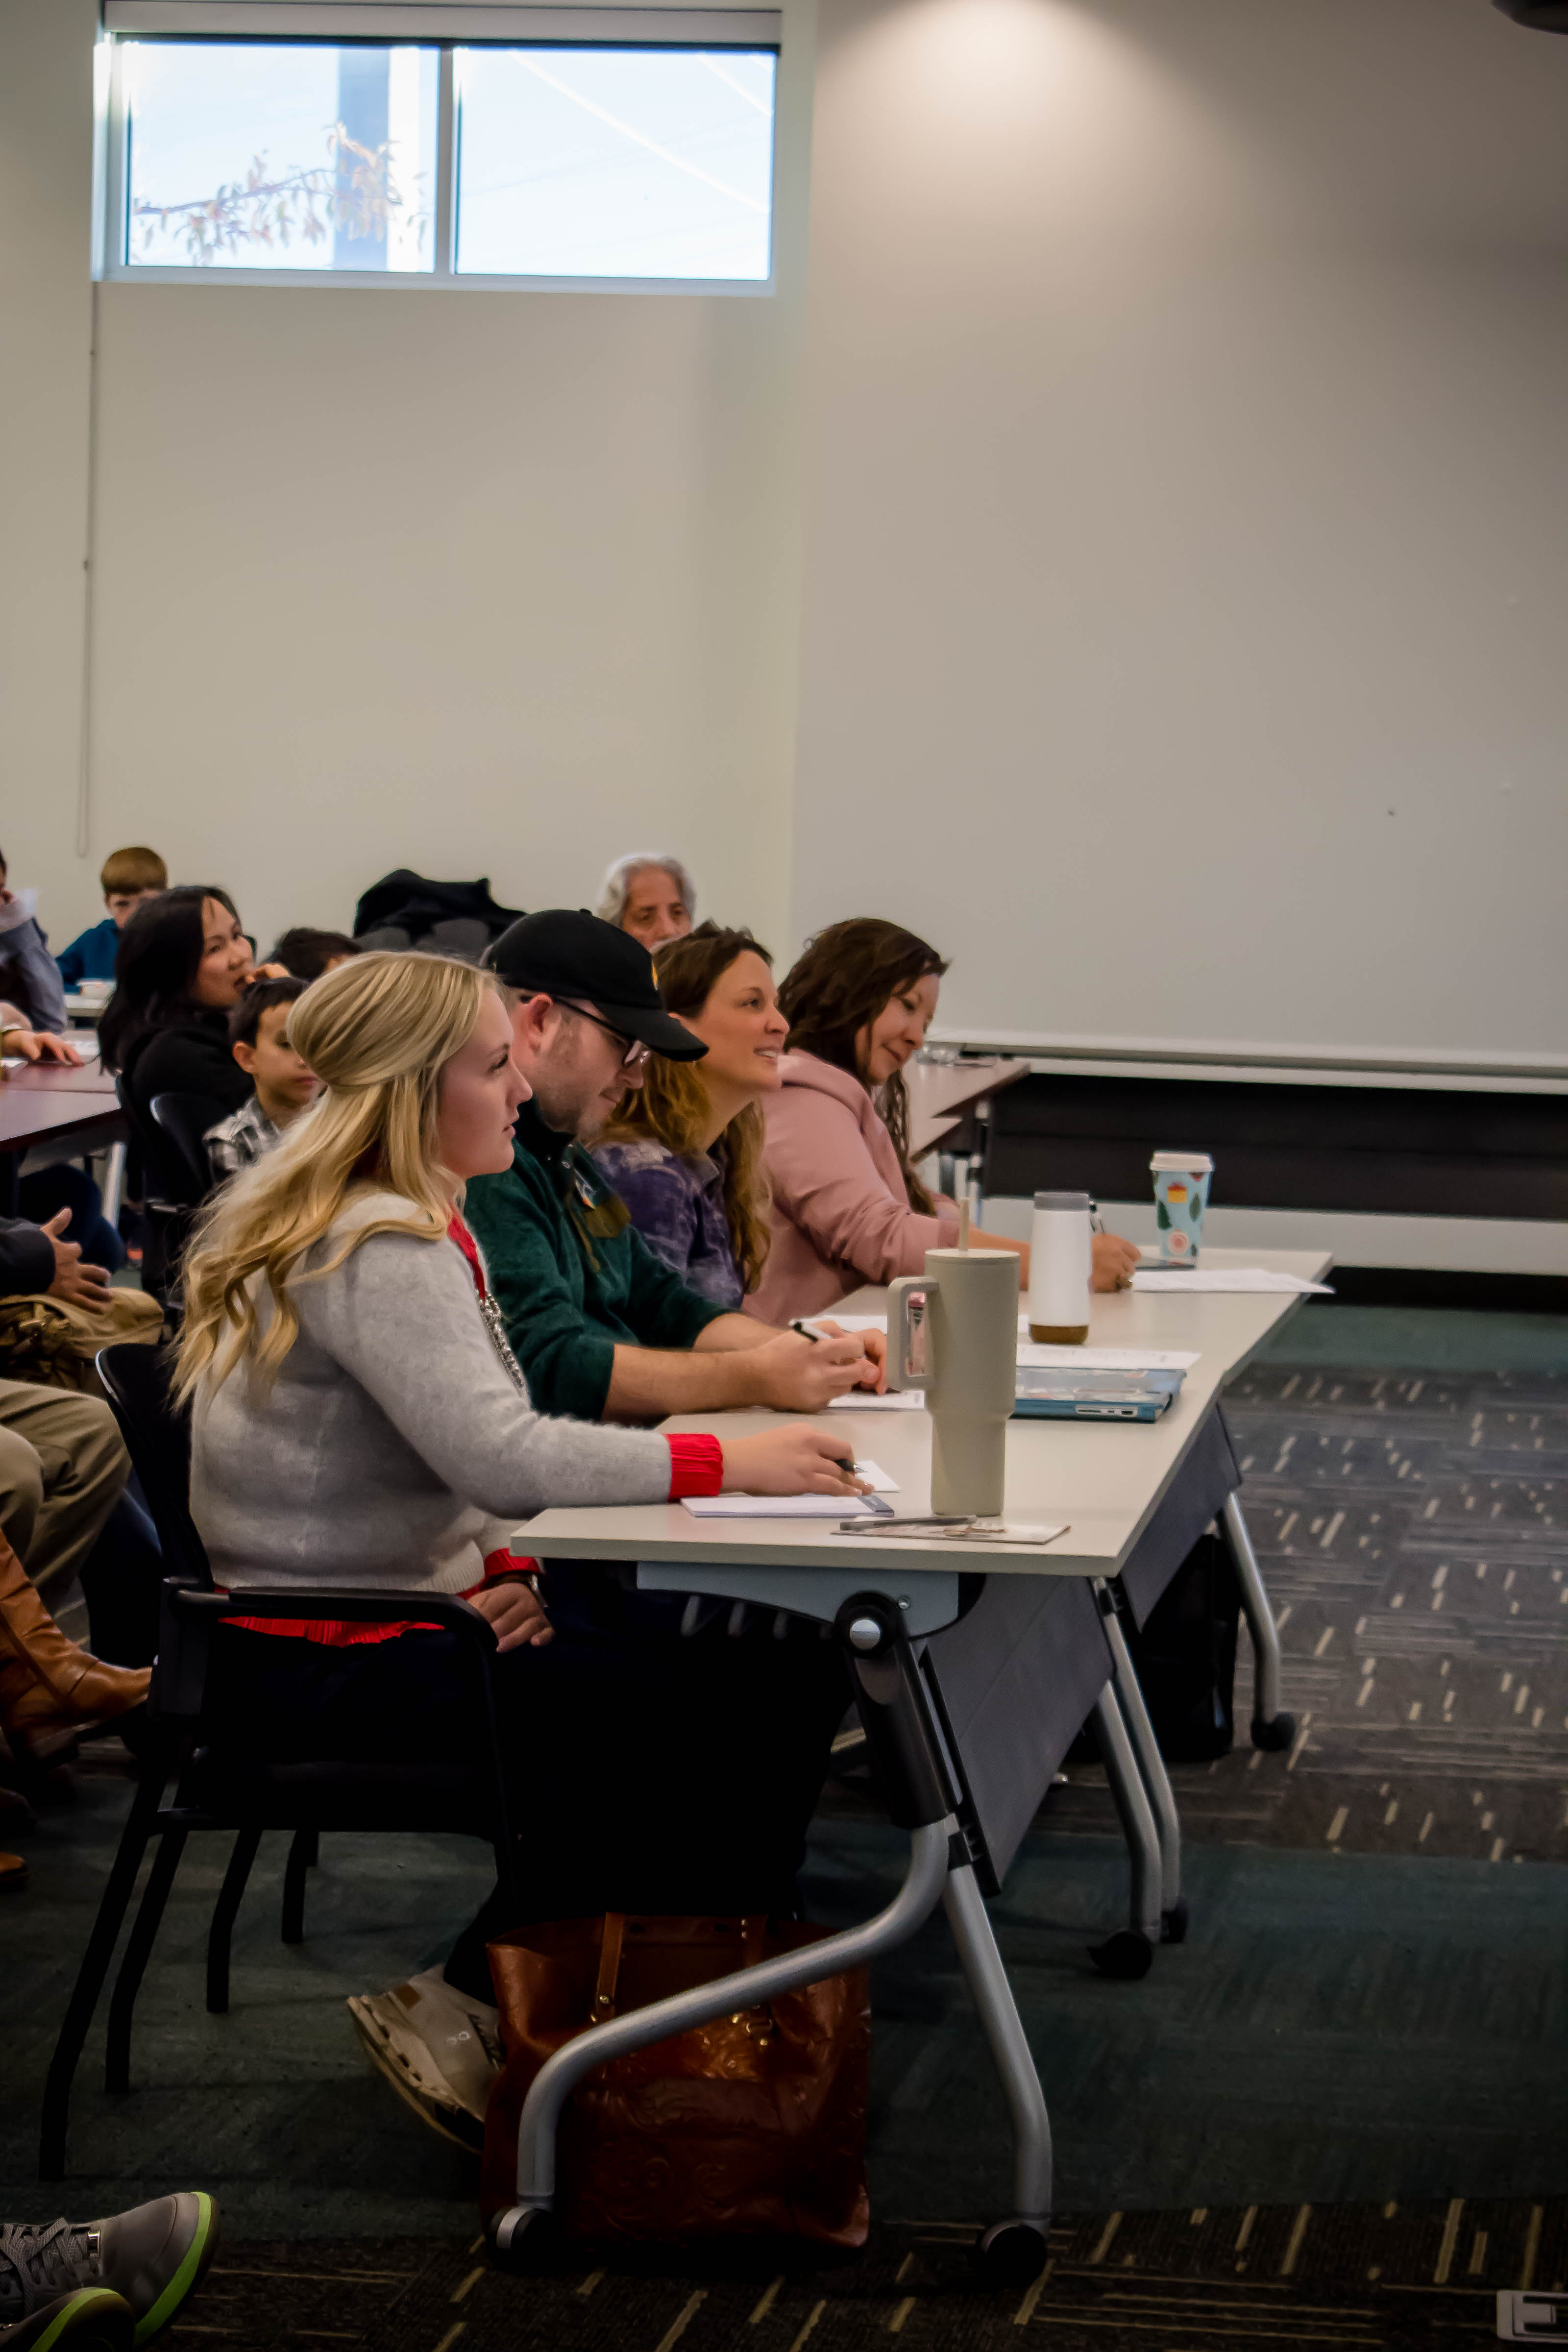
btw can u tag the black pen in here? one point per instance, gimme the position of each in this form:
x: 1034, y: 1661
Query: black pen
x: 806, y: 1332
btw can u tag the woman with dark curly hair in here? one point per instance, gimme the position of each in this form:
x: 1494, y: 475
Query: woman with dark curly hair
x: 848, y: 1207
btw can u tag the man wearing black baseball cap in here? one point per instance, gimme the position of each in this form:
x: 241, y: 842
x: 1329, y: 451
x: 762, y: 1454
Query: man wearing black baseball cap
x: 695, y: 1758
x: 603, y: 1329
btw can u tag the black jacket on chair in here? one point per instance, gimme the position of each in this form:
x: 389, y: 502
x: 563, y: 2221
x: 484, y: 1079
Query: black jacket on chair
x: 190, y: 1057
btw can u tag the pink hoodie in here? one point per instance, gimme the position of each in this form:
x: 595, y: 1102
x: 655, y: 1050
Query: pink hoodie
x: 840, y: 1214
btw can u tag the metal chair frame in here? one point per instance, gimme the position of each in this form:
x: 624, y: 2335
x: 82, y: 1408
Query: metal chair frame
x: 176, y: 1743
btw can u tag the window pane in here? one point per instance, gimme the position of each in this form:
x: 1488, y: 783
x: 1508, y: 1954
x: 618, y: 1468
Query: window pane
x: 616, y: 163
x: 279, y: 155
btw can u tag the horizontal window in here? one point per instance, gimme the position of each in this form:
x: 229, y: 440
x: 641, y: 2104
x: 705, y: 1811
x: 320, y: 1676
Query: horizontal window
x: 279, y: 155
x: 615, y: 163
x: 443, y: 162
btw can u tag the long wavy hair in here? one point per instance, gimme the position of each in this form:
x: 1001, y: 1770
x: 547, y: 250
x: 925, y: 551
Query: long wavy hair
x: 836, y: 987
x: 671, y: 1105
x: 378, y: 1032
x: 156, y: 966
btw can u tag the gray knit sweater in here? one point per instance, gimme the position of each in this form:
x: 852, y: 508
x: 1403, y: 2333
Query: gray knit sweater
x: 395, y: 1447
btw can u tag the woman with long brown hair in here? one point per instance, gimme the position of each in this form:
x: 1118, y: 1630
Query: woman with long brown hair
x: 685, y: 1151
x: 848, y: 1207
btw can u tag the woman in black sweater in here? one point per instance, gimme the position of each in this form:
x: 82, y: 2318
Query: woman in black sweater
x: 182, y: 965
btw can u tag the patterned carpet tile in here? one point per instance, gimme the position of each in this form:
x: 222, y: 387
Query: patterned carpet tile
x: 1413, y: 1534
x: 1394, y: 2275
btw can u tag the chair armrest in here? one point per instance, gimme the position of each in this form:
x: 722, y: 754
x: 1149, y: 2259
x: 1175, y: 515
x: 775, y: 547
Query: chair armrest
x: 190, y: 1612
x: 448, y: 1610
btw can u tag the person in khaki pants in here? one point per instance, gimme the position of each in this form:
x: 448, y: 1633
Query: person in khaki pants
x: 62, y: 1465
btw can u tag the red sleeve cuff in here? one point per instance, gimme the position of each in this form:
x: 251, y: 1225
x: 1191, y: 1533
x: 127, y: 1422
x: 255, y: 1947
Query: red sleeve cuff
x: 695, y: 1465
x: 502, y: 1563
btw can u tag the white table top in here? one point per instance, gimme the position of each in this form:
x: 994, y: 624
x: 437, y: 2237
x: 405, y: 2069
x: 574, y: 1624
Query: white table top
x: 1105, y: 1478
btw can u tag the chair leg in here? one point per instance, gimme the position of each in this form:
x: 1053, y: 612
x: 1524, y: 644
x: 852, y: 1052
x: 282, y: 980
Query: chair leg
x: 224, y: 1909
x: 303, y: 1852
x: 138, y: 1950
x: 94, y: 1968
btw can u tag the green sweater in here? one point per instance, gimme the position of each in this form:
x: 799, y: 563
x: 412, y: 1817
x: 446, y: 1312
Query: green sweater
x: 572, y: 1276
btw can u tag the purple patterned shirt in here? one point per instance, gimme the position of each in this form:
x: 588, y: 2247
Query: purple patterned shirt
x: 677, y: 1206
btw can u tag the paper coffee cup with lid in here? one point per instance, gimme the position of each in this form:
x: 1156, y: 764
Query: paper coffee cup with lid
x: 1181, y: 1196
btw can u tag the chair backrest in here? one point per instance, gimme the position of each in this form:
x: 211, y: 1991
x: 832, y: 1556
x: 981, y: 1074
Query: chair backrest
x: 138, y: 1380
x: 184, y: 1120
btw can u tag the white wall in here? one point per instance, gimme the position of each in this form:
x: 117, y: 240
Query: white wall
x: 1185, y: 479
x: 474, y: 582
x: 45, y: 311
x: 1188, y: 524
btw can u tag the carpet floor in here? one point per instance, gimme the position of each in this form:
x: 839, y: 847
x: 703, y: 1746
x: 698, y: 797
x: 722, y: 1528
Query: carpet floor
x: 1337, y: 2113
x: 1201, y: 2280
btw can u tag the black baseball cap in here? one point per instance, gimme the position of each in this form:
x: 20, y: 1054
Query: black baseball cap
x: 576, y: 957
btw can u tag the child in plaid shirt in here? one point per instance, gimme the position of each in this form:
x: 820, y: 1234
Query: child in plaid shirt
x: 284, y: 1086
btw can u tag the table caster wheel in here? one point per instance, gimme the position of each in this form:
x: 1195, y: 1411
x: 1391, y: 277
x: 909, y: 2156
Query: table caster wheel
x: 527, y: 2240
x: 1125, y: 1956
x: 1271, y: 1737
x: 1010, y: 2253
x: 1174, y: 1923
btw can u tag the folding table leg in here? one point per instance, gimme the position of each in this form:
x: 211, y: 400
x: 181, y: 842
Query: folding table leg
x: 1271, y: 1727
x: 113, y: 1185
x: 1131, y: 1950
x: 895, y: 1708
x: 1156, y: 1780
x: 640, y: 2028
x: 972, y: 1932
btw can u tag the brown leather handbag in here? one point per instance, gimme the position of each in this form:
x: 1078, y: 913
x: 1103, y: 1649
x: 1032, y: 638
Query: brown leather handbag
x: 753, y: 2126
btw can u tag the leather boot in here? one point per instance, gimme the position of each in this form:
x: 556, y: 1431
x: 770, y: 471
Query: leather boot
x: 47, y: 1685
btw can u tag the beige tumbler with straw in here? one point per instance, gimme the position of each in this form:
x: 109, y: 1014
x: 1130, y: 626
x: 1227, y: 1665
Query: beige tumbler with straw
x: 971, y: 1369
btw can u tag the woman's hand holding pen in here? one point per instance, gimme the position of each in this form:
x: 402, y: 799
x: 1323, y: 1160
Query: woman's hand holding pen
x: 800, y: 1461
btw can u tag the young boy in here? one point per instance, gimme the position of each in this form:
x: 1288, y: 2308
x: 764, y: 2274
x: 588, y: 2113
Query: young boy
x: 129, y: 876
x: 284, y: 1086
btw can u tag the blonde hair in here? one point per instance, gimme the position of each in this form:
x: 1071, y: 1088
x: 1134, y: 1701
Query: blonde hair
x: 378, y: 1032
x: 133, y: 869
x: 671, y: 1105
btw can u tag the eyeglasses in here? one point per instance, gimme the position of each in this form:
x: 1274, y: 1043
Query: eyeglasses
x: 636, y: 1053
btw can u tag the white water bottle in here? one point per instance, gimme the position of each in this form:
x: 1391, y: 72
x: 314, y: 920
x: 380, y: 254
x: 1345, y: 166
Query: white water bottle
x: 1061, y: 1262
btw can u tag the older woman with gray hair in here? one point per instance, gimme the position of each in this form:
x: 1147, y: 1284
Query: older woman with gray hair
x: 649, y: 894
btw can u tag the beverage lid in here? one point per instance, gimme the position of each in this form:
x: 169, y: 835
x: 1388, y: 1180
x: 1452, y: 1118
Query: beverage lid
x: 1061, y: 1201
x: 1196, y: 1164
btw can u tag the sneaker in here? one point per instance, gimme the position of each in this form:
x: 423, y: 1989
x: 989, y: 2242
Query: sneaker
x: 439, y: 2049
x: 152, y: 2256
x: 90, y: 2319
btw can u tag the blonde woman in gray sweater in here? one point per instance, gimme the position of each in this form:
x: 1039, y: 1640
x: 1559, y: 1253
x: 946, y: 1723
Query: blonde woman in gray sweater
x: 359, y: 1419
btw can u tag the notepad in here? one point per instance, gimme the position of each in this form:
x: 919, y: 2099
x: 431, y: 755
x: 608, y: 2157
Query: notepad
x: 1233, y: 1278
x: 1104, y: 1359
x: 801, y: 1506
x: 889, y: 1400
x: 787, y: 1507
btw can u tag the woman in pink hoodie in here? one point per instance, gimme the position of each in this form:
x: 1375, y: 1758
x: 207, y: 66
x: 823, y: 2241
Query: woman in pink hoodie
x: 847, y: 1208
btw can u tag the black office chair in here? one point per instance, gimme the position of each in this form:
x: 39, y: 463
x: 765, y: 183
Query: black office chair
x: 183, y: 1121
x: 175, y: 1181
x: 218, y: 1792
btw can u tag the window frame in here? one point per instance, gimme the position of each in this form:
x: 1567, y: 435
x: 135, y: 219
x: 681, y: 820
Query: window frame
x: 111, y: 261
